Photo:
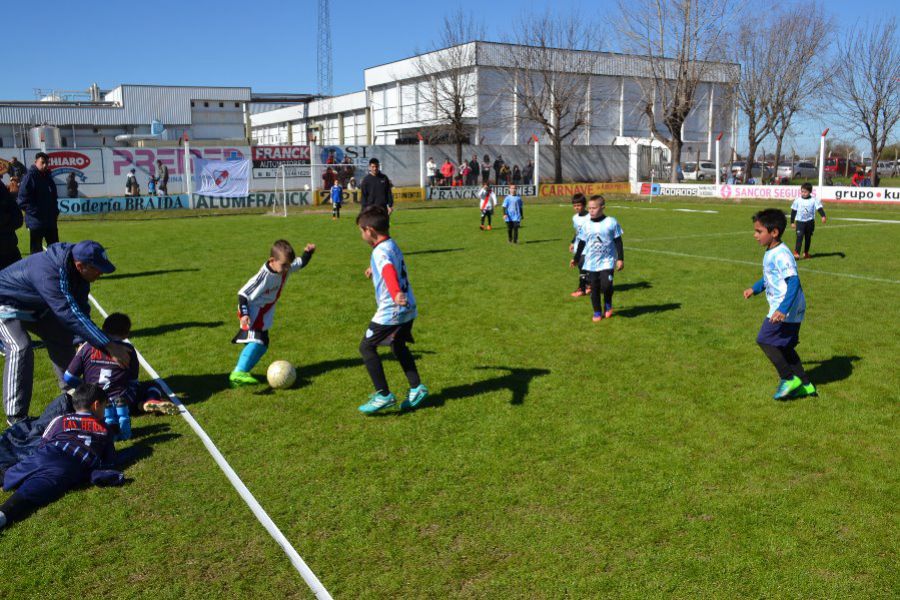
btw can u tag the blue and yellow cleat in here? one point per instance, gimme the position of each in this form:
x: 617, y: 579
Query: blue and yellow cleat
x: 415, y: 397
x: 786, y: 387
x: 378, y: 401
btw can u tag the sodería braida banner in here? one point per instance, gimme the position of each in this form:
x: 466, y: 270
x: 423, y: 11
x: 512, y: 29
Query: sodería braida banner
x: 222, y: 178
x: 588, y: 189
x: 268, y: 161
x: 471, y: 192
x: 97, y: 206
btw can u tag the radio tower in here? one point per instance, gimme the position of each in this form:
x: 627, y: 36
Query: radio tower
x: 323, y: 50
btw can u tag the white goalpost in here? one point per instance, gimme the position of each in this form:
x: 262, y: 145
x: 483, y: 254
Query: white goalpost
x: 282, y: 174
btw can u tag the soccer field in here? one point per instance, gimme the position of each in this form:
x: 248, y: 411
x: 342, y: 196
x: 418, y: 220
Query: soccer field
x: 642, y: 456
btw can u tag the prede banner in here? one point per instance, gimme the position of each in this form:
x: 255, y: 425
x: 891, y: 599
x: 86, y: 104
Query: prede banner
x: 222, y: 178
x: 96, y: 206
x: 588, y: 189
x: 268, y: 161
x: 471, y: 192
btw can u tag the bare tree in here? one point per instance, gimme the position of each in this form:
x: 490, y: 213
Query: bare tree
x: 448, y: 80
x: 679, y: 41
x: 550, y: 63
x: 865, y: 84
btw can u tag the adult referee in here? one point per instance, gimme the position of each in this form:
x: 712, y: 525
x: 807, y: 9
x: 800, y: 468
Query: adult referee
x: 376, y: 188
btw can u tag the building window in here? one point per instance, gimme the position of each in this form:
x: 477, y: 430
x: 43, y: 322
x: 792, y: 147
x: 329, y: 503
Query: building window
x: 237, y: 104
x: 221, y: 105
x: 206, y: 105
x: 192, y: 104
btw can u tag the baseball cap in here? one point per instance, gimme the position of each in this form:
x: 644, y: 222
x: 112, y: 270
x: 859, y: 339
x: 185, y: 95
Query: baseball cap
x: 92, y: 253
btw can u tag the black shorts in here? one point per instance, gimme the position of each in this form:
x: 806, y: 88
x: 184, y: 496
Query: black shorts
x: 804, y: 226
x: 247, y: 336
x: 385, y: 335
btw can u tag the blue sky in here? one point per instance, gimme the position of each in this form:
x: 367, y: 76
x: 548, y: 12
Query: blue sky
x: 267, y: 45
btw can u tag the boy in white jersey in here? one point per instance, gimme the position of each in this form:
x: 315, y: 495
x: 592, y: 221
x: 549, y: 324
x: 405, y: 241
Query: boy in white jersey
x: 393, y: 321
x: 602, y: 251
x: 804, y: 211
x: 487, y: 201
x: 780, y: 331
x: 579, y: 220
x: 256, y: 307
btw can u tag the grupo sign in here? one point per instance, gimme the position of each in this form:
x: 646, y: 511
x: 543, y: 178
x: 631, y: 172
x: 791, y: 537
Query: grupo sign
x: 471, y: 192
x: 769, y: 192
x: 859, y: 194
x: 268, y: 161
x: 588, y: 189
x: 96, y: 206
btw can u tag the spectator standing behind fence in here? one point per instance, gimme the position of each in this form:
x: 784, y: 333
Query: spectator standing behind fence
x: 474, y: 170
x: 528, y: 173
x: 15, y: 169
x: 38, y: 198
x: 162, y: 179
x: 131, y: 184
x: 465, y: 174
x: 447, y: 172
x: 486, y: 170
x: 71, y: 186
x: 430, y: 170
x: 498, y: 166
x: 504, y: 174
x: 516, y: 175
x: 10, y: 220
x: 376, y: 188
x: 328, y: 179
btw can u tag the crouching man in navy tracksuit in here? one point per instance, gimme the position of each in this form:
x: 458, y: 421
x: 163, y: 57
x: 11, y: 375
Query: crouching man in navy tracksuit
x: 76, y: 448
x: 47, y: 294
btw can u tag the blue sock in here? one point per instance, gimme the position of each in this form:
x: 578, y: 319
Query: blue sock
x: 124, y: 416
x: 250, y: 355
x: 109, y: 415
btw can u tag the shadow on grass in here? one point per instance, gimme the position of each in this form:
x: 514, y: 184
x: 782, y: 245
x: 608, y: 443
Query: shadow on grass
x: 170, y: 327
x: 648, y: 309
x: 435, y: 251
x: 146, y: 274
x: 145, y: 438
x: 831, y: 370
x: 637, y: 285
x: 542, y: 241
x: 827, y: 254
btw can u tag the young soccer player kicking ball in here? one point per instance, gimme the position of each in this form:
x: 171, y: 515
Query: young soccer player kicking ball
x: 804, y: 211
x: 579, y: 220
x: 393, y: 321
x: 602, y: 251
x: 780, y: 331
x: 256, y: 307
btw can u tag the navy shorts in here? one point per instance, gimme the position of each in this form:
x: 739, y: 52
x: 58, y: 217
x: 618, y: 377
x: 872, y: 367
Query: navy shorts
x: 782, y: 335
x: 384, y: 335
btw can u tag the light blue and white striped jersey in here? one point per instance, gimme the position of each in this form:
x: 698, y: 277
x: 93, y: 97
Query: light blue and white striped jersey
x: 386, y: 254
x: 778, y: 265
x: 579, y: 222
x: 600, y: 247
x: 806, y: 208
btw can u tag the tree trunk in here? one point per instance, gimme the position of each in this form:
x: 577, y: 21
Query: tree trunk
x: 675, y: 147
x: 778, y: 142
x: 557, y: 161
x: 748, y: 163
x: 876, y: 154
x: 458, y: 150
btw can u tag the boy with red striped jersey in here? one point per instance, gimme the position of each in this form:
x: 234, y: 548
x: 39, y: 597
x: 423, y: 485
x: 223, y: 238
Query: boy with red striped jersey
x: 256, y: 307
x: 393, y: 321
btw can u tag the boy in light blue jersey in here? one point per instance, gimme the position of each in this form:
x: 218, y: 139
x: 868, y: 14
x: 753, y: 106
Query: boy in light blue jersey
x: 393, y: 321
x: 803, y: 210
x: 780, y: 331
x: 579, y: 221
x: 337, y: 198
x: 513, y: 214
x: 602, y: 252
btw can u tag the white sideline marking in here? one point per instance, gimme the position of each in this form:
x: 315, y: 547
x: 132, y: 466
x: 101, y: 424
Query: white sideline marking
x: 756, y: 264
x: 692, y: 210
x: 865, y: 220
x: 308, y: 576
x: 748, y: 232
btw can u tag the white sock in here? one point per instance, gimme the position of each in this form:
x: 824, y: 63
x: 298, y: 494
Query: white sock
x: 2, y: 520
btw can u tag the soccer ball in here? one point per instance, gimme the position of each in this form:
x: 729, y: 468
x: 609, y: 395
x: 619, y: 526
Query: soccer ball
x: 281, y: 374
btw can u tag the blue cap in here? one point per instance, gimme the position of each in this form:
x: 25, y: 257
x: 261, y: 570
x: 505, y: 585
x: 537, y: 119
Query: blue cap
x: 92, y: 253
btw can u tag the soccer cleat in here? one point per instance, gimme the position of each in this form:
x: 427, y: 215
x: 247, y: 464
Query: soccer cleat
x: 786, y: 387
x: 481, y: 227
x: 160, y: 407
x: 806, y: 255
x: 489, y: 228
x: 805, y: 390
x: 578, y: 293
x: 598, y: 316
x: 377, y: 402
x: 796, y: 254
x: 241, y: 378
x: 414, y: 397
x: 608, y: 314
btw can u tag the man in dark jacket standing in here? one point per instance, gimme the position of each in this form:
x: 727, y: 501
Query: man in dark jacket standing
x: 10, y: 220
x: 376, y: 188
x: 47, y: 294
x: 37, y: 197
x: 162, y: 179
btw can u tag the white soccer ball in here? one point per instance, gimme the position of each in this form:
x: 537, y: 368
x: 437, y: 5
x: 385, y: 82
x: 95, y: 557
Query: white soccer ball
x: 281, y: 374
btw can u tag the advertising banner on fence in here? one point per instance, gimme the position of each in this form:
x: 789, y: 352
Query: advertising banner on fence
x: 96, y: 206
x: 769, y: 192
x: 143, y: 160
x: 860, y: 194
x: 222, y: 178
x: 588, y: 189
x: 86, y: 165
x: 408, y: 194
x: 268, y: 161
x: 349, y: 197
x: 676, y: 189
x: 471, y: 191
x: 258, y: 200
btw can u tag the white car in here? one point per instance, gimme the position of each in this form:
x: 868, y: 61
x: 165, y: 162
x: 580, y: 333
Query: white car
x: 738, y: 166
x: 798, y: 170
x: 886, y: 168
x: 706, y: 172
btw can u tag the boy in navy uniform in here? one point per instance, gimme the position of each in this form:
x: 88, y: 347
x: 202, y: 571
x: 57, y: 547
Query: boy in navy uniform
x: 602, y: 252
x: 256, y: 307
x: 393, y: 321
x: 513, y: 214
x: 780, y: 331
x: 803, y: 210
x: 579, y: 221
x: 75, y: 448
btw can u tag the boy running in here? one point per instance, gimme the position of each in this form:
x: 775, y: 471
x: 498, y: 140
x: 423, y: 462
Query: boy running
x: 513, y: 214
x: 804, y: 211
x: 579, y: 221
x: 780, y: 331
x: 393, y: 321
x: 256, y: 307
x: 602, y: 250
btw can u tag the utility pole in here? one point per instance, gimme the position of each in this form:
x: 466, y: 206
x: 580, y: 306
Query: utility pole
x: 323, y: 51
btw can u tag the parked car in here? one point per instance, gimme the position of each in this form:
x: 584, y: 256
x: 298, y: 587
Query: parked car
x: 706, y: 171
x: 837, y: 166
x: 798, y: 170
x: 738, y: 166
x: 886, y: 168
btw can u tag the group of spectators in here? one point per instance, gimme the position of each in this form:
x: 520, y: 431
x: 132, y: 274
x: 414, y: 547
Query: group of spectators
x: 157, y: 184
x: 469, y: 172
x: 33, y: 192
x: 341, y: 173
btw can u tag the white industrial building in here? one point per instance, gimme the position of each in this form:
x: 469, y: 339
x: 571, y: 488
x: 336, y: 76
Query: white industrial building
x: 398, y: 102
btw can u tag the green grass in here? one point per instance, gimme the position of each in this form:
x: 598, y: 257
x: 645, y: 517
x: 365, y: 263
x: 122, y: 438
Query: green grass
x: 638, y: 457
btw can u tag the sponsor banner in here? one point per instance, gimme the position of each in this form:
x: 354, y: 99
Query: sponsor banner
x: 859, y: 194
x: 349, y: 196
x: 143, y: 161
x: 87, y: 165
x: 408, y: 194
x: 676, y: 189
x: 96, y: 206
x: 258, y: 200
x: 348, y: 155
x: 769, y: 192
x: 588, y: 189
x: 763, y: 192
x: 222, y: 178
x: 268, y: 161
x: 471, y: 192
